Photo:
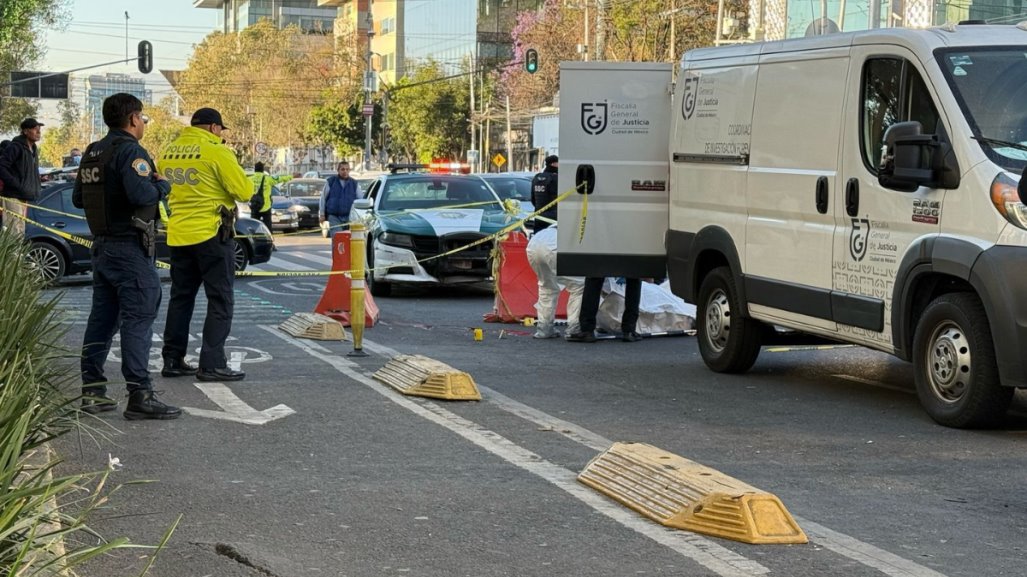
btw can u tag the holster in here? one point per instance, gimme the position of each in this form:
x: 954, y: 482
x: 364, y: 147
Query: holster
x: 147, y: 235
x: 227, y: 229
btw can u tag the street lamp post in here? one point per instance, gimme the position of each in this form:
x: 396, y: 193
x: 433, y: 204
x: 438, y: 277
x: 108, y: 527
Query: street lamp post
x: 368, y: 86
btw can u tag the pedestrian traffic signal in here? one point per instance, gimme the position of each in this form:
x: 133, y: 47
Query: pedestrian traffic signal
x: 531, y: 61
x: 145, y: 57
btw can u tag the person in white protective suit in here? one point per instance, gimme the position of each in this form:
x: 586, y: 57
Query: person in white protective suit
x: 542, y: 258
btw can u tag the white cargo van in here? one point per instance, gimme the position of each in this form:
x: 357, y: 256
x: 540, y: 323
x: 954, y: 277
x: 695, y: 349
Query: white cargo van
x: 860, y: 187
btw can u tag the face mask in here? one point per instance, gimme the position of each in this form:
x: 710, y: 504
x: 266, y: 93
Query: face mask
x: 77, y: 160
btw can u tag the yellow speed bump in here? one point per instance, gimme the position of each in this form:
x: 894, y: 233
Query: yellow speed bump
x: 420, y: 376
x: 683, y: 494
x: 314, y: 326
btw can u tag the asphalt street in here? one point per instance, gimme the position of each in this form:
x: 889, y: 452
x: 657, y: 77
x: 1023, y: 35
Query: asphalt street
x: 310, y: 467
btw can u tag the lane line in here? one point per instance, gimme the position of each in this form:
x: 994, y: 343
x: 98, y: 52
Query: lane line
x: 279, y: 262
x: 311, y: 257
x: 707, y: 553
x: 864, y: 553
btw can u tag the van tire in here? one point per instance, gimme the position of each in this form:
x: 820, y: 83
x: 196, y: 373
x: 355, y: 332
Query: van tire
x: 728, y: 341
x: 954, y: 364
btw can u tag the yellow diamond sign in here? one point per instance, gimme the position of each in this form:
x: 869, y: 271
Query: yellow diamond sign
x: 499, y: 159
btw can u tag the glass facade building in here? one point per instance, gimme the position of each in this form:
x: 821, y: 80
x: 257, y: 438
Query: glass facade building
x: 236, y: 15
x: 100, y: 86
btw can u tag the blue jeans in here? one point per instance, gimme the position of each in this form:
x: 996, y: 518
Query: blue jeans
x: 126, y: 296
x: 337, y: 224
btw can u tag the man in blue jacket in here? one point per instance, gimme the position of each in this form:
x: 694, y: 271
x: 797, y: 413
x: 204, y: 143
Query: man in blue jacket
x: 337, y: 198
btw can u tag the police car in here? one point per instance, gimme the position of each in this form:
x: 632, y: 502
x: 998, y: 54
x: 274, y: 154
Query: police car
x: 55, y: 257
x: 416, y: 220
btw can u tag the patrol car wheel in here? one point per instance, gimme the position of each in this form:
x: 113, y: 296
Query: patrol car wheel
x: 954, y: 363
x: 728, y: 342
x: 48, y: 260
x: 242, y: 256
x: 378, y: 288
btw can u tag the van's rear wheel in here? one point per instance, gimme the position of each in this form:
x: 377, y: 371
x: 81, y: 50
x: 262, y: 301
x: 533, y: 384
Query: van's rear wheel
x: 954, y: 363
x: 728, y: 341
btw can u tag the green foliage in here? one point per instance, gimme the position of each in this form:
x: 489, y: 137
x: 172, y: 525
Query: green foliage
x: 428, y: 115
x: 163, y: 128
x: 341, y: 125
x: 73, y: 132
x: 21, y: 24
x: 34, y: 368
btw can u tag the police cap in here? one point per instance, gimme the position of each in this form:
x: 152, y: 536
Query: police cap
x: 207, y: 116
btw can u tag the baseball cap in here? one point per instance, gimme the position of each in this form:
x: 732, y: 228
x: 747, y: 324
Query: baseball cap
x: 207, y: 116
x: 30, y: 123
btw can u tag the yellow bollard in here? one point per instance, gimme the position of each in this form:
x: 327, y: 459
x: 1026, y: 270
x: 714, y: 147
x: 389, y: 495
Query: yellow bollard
x: 357, y: 254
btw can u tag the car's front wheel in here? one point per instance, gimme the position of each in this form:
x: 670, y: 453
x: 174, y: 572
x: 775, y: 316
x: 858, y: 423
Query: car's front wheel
x: 242, y: 255
x: 378, y: 288
x: 48, y: 260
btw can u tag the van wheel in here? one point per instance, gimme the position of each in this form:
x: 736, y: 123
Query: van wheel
x: 954, y: 363
x: 378, y: 288
x: 728, y: 342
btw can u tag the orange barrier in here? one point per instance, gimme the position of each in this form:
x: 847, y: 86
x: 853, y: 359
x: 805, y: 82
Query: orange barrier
x: 335, y: 301
x: 516, y: 285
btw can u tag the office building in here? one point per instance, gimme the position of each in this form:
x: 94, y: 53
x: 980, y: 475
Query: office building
x: 100, y: 86
x: 312, y: 16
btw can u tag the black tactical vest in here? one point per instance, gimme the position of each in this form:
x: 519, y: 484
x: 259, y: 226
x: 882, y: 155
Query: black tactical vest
x: 108, y: 211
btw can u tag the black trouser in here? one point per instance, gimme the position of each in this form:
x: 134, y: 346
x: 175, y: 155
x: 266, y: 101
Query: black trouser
x: 265, y: 217
x: 590, y: 304
x: 212, y: 264
x: 126, y: 296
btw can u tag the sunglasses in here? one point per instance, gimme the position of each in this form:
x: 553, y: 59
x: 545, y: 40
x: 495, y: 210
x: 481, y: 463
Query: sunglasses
x: 143, y: 117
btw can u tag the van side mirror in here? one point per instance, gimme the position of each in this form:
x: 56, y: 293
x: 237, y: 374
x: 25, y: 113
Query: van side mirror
x: 912, y: 159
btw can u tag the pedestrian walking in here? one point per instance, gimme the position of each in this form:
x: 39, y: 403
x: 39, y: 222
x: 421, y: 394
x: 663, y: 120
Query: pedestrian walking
x: 260, y: 202
x: 544, y: 189
x: 541, y: 253
x: 206, y: 182
x: 337, y: 198
x: 19, y: 163
x: 120, y: 190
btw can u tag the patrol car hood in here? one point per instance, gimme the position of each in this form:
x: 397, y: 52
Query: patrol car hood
x: 443, y: 221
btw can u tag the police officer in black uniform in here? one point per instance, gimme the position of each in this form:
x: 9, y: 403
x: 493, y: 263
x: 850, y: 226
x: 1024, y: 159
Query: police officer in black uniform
x: 544, y: 190
x: 119, y: 190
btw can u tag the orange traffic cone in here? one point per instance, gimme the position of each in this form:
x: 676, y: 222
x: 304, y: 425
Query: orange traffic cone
x: 335, y: 301
x: 516, y: 284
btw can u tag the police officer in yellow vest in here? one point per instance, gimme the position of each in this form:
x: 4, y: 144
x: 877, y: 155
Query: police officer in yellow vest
x: 262, y: 183
x: 119, y: 190
x: 206, y: 182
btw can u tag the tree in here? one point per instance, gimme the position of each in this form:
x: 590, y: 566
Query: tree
x: 163, y: 128
x: 554, y: 31
x: 428, y: 115
x: 72, y: 132
x: 342, y: 126
x: 265, y: 81
x: 21, y: 24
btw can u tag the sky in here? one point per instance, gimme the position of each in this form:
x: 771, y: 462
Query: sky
x: 96, y: 34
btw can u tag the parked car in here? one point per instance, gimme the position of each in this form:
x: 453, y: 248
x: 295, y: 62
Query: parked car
x: 412, y: 217
x: 285, y: 213
x: 511, y: 185
x: 306, y: 192
x: 57, y: 257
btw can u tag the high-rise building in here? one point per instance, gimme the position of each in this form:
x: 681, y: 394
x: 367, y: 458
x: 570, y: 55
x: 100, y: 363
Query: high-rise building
x: 100, y: 86
x: 312, y: 16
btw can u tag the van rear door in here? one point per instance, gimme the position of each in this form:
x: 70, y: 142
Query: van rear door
x: 615, y: 121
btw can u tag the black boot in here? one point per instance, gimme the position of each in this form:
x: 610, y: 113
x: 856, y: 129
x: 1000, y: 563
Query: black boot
x: 221, y: 374
x: 94, y: 402
x: 144, y: 404
x: 177, y: 368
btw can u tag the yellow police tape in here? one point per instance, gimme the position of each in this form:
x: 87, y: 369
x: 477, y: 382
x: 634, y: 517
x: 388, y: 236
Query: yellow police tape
x: 504, y: 231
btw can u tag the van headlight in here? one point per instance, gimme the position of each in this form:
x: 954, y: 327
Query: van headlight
x: 1006, y: 200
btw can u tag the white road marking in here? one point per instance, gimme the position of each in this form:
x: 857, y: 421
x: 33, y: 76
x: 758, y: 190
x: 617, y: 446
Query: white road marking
x: 278, y: 262
x: 690, y: 545
x: 707, y: 553
x: 234, y: 408
x: 311, y: 257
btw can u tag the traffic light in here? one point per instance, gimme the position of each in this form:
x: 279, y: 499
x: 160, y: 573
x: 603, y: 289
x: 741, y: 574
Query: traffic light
x: 531, y: 61
x: 145, y: 57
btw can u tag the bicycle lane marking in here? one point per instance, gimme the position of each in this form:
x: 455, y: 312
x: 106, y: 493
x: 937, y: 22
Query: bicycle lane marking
x: 840, y: 543
x: 705, y: 552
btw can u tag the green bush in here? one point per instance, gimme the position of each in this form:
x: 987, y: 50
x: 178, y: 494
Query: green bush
x: 35, y: 530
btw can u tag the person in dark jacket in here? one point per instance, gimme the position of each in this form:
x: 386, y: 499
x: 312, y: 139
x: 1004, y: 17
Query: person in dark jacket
x: 337, y: 198
x: 19, y: 163
x: 544, y: 190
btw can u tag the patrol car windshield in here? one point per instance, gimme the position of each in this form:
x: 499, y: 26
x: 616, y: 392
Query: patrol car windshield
x: 436, y: 191
x: 991, y: 87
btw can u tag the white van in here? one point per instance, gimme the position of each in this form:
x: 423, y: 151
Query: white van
x: 860, y: 187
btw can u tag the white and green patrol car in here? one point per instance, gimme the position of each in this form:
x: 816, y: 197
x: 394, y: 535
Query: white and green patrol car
x: 416, y: 221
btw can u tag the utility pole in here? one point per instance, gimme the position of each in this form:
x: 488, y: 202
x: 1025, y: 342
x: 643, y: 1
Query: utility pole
x: 471, y: 116
x: 601, y: 19
x: 368, y: 85
x: 673, y: 43
x: 509, y: 147
x: 126, y: 34
x: 586, y: 32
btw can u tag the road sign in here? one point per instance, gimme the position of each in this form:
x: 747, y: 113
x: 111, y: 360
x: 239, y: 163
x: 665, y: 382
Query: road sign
x: 499, y: 159
x: 369, y: 110
x: 261, y: 148
x: 30, y: 85
x: 472, y: 155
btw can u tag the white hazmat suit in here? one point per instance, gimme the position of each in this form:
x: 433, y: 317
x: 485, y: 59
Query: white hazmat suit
x: 542, y: 259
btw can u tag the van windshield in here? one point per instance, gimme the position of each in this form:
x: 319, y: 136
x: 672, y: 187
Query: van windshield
x: 991, y: 87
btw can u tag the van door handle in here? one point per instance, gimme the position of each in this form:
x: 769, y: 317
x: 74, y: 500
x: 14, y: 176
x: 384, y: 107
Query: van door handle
x: 821, y: 197
x: 852, y: 197
x: 585, y: 179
